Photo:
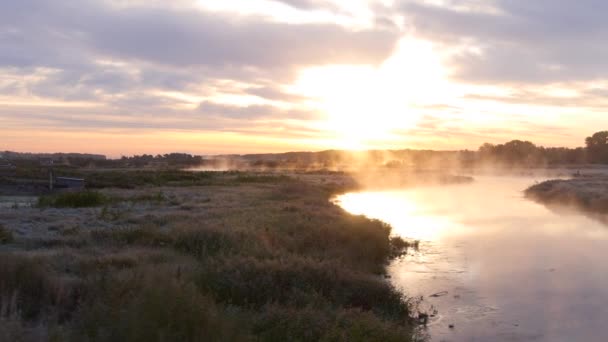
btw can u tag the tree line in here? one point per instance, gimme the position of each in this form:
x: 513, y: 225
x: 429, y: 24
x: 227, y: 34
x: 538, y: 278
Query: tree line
x: 518, y: 153
x: 525, y: 153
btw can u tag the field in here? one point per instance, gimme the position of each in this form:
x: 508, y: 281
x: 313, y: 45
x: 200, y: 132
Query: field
x: 144, y: 256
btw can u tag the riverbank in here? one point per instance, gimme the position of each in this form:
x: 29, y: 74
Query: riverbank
x: 589, y: 194
x: 193, y: 257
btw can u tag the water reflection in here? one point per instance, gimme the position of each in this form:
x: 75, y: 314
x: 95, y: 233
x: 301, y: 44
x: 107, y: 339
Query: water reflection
x: 401, y: 210
x: 513, y: 270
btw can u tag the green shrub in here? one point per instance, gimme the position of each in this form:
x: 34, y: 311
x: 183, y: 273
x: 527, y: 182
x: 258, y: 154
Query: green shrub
x: 80, y: 199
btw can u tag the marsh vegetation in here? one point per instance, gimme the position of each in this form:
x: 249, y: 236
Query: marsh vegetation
x: 204, y: 257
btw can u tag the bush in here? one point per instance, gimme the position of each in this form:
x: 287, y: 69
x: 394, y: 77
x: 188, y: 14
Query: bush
x: 361, y: 243
x: 81, y: 199
x: 6, y: 236
x: 153, y: 308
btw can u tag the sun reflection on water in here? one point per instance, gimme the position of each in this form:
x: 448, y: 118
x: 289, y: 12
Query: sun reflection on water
x: 409, y: 218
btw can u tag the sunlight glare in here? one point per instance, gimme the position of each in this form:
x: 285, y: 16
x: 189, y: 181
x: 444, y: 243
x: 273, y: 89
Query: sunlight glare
x: 399, y: 210
x: 363, y: 104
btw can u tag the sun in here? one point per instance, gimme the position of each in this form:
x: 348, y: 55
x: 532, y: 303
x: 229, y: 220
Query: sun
x: 366, y: 106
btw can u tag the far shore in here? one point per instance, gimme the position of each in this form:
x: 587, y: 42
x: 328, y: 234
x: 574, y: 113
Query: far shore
x: 585, y: 192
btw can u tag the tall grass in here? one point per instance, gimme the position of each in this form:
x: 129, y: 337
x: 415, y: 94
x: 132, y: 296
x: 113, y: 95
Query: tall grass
x: 256, y: 264
x: 153, y: 307
x: 29, y: 290
x: 80, y: 199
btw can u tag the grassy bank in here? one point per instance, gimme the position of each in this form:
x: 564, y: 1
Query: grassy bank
x: 586, y: 193
x: 243, y: 258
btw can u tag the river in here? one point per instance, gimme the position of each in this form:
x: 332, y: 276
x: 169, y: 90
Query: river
x: 501, y: 267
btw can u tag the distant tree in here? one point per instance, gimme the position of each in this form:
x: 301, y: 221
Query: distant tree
x: 486, y: 149
x: 597, y: 147
x: 515, y: 152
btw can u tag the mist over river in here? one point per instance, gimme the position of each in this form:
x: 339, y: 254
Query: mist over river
x: 501, y: 267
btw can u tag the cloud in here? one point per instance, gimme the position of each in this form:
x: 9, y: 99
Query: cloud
x: 275, y: 93
x: 517, y: 41
x: 36, y: 32
x: 309, y: 4
x: 127, y: 58
x: 174, y: 65
x: 253, y: 112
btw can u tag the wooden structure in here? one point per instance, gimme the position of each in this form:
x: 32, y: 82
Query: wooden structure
x: 69, y: 183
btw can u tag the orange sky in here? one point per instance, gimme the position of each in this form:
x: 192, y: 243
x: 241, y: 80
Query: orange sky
x: 208, y: 77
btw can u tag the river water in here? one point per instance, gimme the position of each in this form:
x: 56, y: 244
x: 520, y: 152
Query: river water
x: 501, y: 267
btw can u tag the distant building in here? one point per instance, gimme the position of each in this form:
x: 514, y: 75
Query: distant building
x: 69, y: 183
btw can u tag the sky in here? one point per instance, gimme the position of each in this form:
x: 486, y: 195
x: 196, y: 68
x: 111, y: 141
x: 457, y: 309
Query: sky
x: 123, y: 77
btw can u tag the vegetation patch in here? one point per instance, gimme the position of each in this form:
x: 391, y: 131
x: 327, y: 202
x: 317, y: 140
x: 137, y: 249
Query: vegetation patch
x: 146, y: 235
x: 80, y: 199
x: 6, y: 236
x: 268, y: 260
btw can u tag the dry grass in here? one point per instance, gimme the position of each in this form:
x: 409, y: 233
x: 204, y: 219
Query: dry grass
x: 261, y: 259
